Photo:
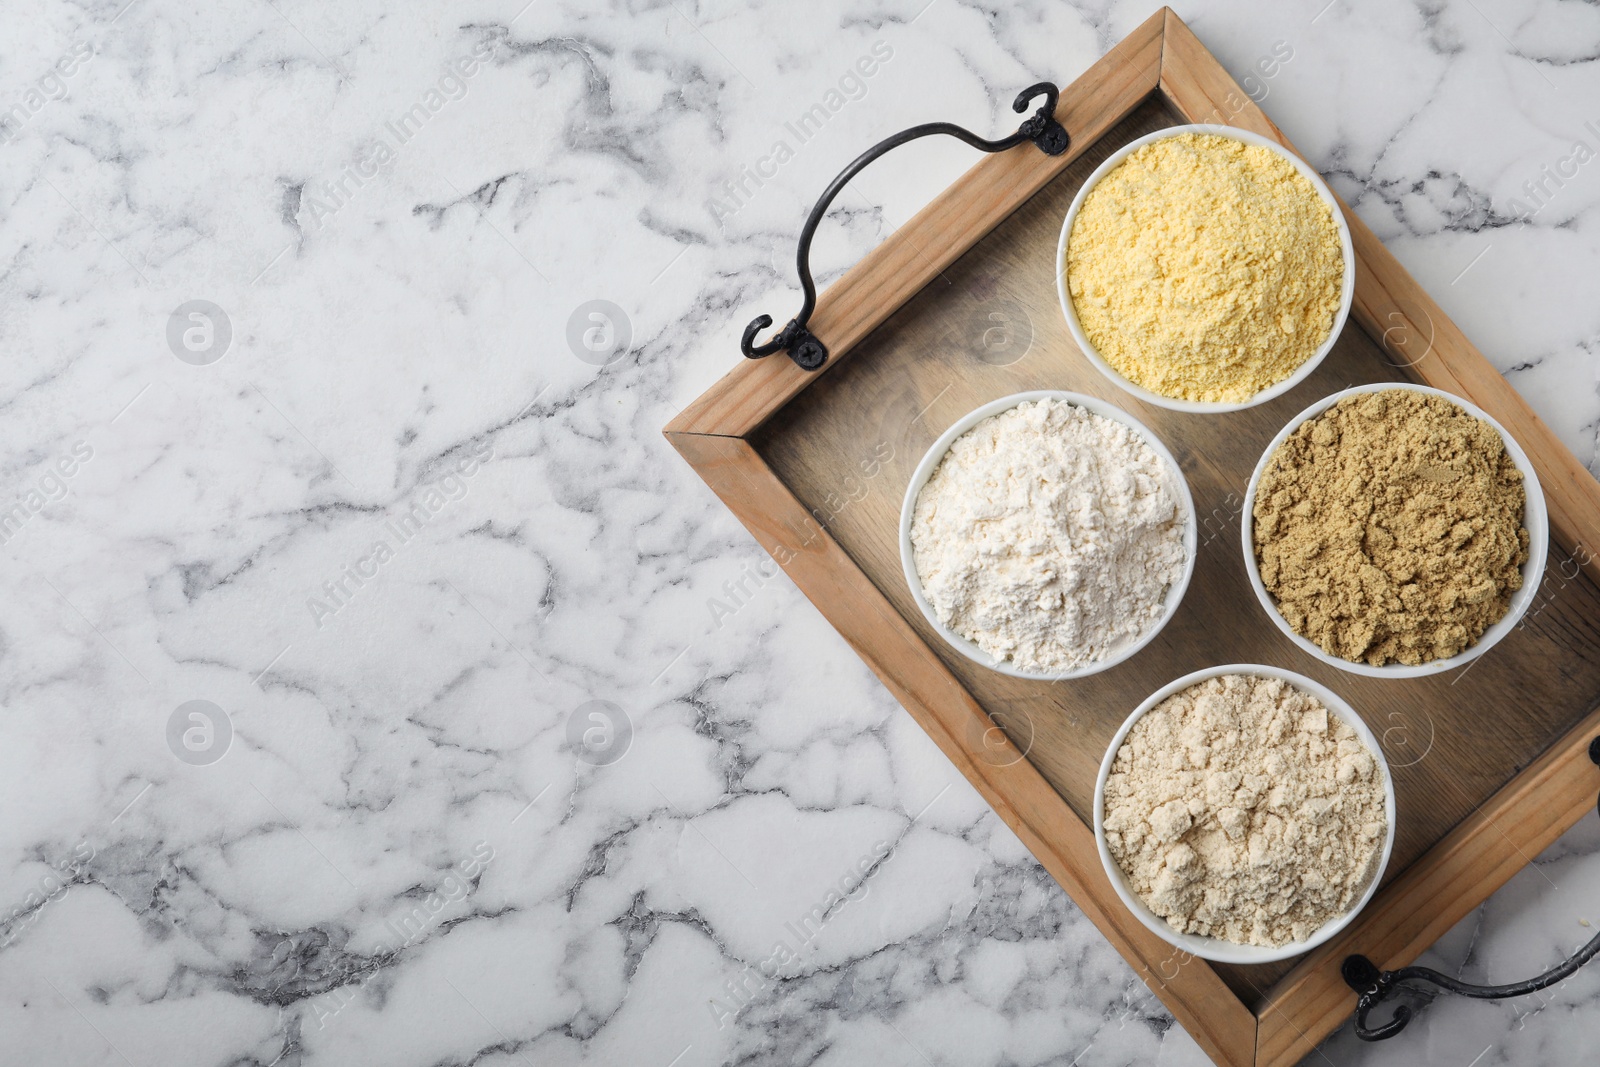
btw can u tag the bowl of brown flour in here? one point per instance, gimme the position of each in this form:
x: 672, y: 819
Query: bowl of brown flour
x: 1244, y: 813
x: 1395, y: 531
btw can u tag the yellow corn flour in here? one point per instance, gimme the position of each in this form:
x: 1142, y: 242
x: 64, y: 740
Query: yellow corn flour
x: 1205, y: 269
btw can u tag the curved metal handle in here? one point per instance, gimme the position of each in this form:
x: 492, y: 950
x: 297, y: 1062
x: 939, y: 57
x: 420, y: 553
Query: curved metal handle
x: 1375, y: 986
x: 803, y: 347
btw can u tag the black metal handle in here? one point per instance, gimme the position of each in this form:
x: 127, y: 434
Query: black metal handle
x: 1375, y: 986
x: 802, y: 345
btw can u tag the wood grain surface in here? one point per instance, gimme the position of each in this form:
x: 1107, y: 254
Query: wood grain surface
x: 1452, y: 740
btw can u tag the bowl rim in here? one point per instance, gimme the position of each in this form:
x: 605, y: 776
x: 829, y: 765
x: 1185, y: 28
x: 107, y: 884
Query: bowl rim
x: 1346, y: 292
x: 1535, y: 518
x: 936, y: 452
x: 1216, y: 949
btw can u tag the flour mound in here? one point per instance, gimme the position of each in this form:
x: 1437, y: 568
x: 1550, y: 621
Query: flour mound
x: 1049, y: 536
x: 1205, y: 269
x: 1241, y: 809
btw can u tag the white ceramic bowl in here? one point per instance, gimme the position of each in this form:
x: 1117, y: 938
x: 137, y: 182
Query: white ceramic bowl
x: 1346, y: 295
x: 1535, y: 517
x: 936, y: 452
x: 1211, y: 948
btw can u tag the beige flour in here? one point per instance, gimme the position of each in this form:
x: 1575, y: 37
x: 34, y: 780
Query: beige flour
x: 1241, y: 809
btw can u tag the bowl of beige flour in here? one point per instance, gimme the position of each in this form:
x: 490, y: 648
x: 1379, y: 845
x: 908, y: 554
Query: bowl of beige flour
x: 1048, y: 535
x: 1245, y: 813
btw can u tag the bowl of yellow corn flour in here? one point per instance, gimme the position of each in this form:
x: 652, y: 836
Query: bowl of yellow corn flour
x: 1205, y: 268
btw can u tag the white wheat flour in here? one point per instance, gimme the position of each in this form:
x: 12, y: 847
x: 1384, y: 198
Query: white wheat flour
x: 1049, y: 536
x: 1242, y: 809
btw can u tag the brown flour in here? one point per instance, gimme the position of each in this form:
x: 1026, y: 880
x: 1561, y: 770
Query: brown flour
x: 1242, y: 809
x: 1389, y: 528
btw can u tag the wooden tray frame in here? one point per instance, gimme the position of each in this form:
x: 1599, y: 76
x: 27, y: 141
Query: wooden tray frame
x: 1476, y: 858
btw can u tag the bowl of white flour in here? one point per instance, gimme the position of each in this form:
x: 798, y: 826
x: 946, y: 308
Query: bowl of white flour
x: 1048, y: 535
x: 1244, y: 814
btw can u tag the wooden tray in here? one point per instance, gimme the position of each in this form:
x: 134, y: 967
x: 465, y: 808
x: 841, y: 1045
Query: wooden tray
x: 1489, y: 763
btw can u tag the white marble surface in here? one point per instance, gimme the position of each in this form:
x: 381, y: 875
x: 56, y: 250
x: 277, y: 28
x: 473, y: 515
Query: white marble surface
x: 399, y: 857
